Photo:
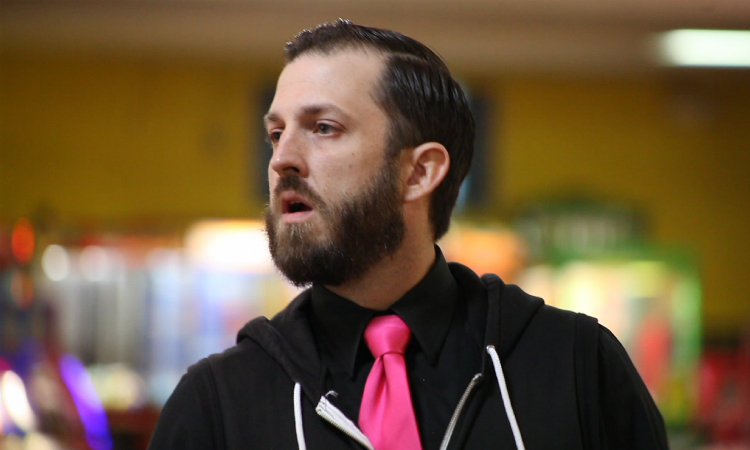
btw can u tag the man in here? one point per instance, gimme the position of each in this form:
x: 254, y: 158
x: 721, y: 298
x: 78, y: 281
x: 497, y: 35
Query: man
x: 372, y: 138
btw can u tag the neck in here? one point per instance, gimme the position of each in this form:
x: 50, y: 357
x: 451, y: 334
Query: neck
x: 391, y: 278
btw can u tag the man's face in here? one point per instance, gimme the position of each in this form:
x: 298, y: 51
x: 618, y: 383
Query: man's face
x: 335, y: 206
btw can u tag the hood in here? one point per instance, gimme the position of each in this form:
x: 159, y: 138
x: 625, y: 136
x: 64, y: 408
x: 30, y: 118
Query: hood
x: 288, y: 339
x: 509, y: 309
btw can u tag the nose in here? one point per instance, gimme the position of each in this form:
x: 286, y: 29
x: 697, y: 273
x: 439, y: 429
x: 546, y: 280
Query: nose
x: 288, y: 155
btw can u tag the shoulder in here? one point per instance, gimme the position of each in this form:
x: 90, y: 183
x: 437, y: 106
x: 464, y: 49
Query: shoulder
x: 616, y: 370
x: 247, y: 353
x: 629, y: 416
x: 244, y: 373
x: 211, y: 394
x: 190, y: 418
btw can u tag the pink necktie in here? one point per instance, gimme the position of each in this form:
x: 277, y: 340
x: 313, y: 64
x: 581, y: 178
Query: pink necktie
x: 386, y: 415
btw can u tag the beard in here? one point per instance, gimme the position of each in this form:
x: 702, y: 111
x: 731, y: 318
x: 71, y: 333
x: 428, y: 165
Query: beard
x: 362, y: 230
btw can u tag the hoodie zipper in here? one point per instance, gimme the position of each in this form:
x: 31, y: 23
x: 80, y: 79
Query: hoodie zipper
x: 457, y: 412
x: 335, y: 417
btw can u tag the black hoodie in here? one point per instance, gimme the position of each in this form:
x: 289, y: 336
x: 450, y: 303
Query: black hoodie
x: 549, y: 379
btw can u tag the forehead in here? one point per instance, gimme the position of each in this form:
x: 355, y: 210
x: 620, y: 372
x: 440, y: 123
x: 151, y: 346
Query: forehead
x: 345, y: 79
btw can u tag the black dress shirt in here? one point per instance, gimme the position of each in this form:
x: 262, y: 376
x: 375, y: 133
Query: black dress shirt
x: 442, y: 357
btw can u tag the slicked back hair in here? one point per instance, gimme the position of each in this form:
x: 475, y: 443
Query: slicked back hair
x: 418, y: 94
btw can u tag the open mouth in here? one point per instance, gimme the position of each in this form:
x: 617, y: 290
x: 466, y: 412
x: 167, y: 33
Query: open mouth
x: 295, y: 207
x: 294, y: 204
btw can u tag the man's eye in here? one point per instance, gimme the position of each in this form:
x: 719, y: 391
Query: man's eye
x: 324, y: 128
x: 274, y: 136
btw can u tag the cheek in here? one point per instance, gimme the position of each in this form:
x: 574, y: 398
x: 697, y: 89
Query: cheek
x: 346, y: 168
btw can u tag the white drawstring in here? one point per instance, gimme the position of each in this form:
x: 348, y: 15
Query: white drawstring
x: 500, y: 380
x: 298, y: 417
x: 506, y: 398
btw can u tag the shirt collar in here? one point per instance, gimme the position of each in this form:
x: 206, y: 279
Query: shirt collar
x: 339, y: 323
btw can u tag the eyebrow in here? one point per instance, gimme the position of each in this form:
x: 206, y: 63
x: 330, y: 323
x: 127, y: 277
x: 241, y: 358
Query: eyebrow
x: 308, y: 110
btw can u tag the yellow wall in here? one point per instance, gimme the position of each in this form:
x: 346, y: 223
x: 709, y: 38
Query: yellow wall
x: 112, y: 139
x: 103, y: 139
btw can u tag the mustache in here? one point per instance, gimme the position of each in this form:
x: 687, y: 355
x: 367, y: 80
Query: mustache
x: 299, y: 185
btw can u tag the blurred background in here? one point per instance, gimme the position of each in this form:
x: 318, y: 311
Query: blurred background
x: 611, y: 176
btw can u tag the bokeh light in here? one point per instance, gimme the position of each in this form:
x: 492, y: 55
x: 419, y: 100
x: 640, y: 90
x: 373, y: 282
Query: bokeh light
x: 22, y: 241
x: 95, y: 263
x: 16, y: 401
x: 56, y: 262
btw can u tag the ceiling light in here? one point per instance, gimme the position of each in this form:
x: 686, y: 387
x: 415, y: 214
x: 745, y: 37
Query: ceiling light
x: 710, y: 48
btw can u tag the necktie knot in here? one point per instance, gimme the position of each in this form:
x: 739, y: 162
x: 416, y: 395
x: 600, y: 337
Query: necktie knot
x: 387, y: 334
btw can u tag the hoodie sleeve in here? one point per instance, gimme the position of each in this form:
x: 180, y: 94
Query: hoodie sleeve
x: 629, y: 416
x: 189, y: 419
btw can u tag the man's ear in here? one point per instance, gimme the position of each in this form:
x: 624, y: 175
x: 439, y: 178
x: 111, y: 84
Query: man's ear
x: 424, y: 168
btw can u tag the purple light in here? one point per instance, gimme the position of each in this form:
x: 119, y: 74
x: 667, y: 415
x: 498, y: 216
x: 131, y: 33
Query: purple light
x: 89, y: 408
